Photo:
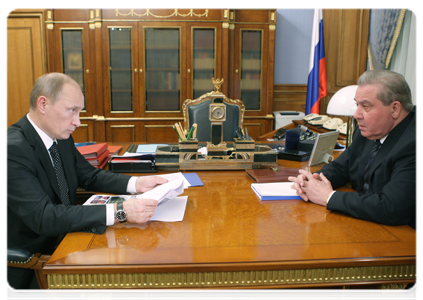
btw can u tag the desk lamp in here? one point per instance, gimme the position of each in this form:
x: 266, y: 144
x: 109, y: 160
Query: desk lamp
x: 342, y: 104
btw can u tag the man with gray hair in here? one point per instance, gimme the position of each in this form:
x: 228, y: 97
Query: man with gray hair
x: 388, y: 134
x: 44, y: 170
x: 380, y: 164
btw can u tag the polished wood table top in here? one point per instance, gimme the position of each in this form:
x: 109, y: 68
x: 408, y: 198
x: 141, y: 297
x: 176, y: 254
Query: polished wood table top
x: 225, y: 222
x: 226, y: 228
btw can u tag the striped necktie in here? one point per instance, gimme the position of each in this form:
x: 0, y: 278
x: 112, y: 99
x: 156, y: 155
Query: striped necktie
x: 375, y: 149
x: 60, y: 175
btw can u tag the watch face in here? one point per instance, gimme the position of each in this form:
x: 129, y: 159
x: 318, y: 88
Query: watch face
x: 218, y: 113
x: 121, y: 215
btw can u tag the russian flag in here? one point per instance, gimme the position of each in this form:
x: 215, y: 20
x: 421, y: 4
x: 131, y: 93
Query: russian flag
x: 317, y: 83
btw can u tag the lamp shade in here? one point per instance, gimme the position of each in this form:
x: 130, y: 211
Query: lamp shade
x: 342, y: 102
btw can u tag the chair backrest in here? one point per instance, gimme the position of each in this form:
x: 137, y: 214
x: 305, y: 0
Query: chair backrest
x: 197, y: 111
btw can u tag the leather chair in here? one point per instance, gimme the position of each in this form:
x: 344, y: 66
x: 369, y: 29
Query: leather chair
x: 197, y: 111
x: 20, y: 258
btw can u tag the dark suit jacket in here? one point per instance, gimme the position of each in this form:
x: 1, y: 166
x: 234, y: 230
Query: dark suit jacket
x: 36, y: 217
x: 392, y: 197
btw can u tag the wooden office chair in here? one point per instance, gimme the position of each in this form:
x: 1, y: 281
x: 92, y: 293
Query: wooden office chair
x: 197, y: 111
x: 20, y: 258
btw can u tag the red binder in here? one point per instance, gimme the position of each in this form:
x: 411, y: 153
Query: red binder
x: 99, y: 160
x: 92, y: 151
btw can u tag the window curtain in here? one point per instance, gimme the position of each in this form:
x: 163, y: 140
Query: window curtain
x: 406, y: 57
x: 385, y: 27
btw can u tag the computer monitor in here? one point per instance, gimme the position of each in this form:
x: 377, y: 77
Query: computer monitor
x: 323, y: 148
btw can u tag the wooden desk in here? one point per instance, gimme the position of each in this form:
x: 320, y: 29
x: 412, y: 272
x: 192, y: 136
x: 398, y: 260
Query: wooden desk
x: 229, y: 239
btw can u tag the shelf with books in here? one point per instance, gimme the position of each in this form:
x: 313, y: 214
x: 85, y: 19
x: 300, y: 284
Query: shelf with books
x: 159, y: 100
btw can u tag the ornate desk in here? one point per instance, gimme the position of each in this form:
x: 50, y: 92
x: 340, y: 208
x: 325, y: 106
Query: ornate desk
x: 230, y: 239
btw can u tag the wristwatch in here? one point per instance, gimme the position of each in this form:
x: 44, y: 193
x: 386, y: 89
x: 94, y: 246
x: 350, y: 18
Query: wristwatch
x: 120, y: 213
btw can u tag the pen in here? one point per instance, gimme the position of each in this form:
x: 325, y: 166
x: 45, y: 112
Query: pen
x: 194, y: 134
x: 177, y: 132
x: 190, y: 132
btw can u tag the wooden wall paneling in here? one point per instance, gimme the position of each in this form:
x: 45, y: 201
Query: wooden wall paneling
x: 159, y: 133
x: 255, y: 127
x: 225, y: 54
x: 81, y: 134
x: 50, y: 53
x: 97, y: 67
x: 26, y: 59
x: 99, y: 125
x: 289, y: 97
x: 346, y: 37
x: 118, y: 133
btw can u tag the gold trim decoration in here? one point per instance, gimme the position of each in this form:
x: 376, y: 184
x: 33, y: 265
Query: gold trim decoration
x: 225, y: 25
x: 272, y: 27
x: 174, y: 14
x: 392, y: 288
x: 258, y: 278
x: 21, y: 262
x: 217, y: 83
x: 50, y: 26
x: 395, y: 38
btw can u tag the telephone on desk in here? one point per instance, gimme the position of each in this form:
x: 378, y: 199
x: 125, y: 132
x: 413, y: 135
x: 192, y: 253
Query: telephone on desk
x: 326, y: 122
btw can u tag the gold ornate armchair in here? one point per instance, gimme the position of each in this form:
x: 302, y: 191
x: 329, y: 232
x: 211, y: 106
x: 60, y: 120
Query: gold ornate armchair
x: 197, y: 111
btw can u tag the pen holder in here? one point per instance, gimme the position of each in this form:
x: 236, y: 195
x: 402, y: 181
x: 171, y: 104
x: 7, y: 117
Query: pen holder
x: 190, y: 145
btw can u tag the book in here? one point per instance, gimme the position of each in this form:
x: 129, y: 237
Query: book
x: 96, y: 161
x: 275, y: 191
x: 114, y: 150
x: 92, y: 151
x: 269, y: 175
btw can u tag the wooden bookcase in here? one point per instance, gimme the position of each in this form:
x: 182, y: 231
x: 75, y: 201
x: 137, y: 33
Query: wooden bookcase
x: 137, y: 66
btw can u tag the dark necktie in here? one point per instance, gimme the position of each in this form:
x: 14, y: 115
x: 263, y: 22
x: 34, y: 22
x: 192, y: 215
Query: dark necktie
x: 60, y: 175
x: 375, y: 149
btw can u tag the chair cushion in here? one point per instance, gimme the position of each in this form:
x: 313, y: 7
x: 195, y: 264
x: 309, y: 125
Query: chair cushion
x: 21, y: 255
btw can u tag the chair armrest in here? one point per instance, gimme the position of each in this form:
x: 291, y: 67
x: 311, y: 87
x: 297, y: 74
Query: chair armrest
x: 21, y: 258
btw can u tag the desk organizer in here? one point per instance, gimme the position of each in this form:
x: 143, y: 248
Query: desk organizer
x: 244, y: 154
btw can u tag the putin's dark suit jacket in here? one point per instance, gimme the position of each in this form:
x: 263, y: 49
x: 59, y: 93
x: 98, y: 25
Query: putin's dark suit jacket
x: 392, y: 197
x: 36, y: 217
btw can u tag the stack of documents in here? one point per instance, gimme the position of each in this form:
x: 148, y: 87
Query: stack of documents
x: 98, y: 154
x: 275, y: 191
x: 171, y: 207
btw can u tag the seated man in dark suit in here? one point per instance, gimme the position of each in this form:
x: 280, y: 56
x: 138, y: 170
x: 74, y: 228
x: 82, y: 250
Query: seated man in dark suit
x: 41, y: 203
x: 380, y: 164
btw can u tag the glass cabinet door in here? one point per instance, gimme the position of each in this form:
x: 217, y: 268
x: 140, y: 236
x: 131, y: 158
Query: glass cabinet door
x: 204, y: 58
x: 162, y: 68
x: 120, y: 73
x: 73, y: 55
x: 251, y: 68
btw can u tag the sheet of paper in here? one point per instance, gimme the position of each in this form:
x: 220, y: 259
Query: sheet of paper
x: 175, y: 176
x: 171, y: 211
x: 164, y: 192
